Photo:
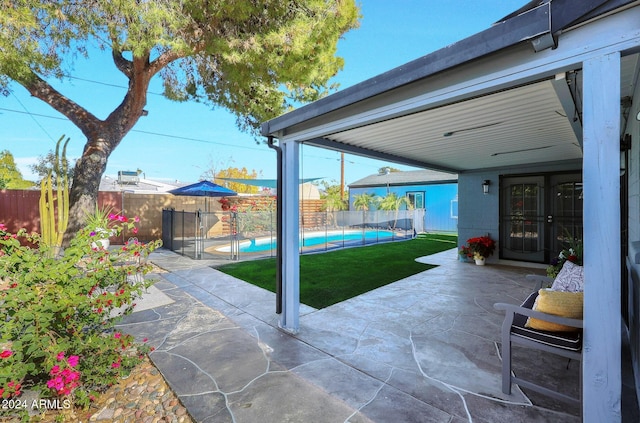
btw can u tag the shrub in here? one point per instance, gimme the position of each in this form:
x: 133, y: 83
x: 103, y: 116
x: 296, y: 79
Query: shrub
x: 59, y: 313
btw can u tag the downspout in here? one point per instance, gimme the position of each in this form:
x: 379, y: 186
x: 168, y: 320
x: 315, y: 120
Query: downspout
x: 279, y: 218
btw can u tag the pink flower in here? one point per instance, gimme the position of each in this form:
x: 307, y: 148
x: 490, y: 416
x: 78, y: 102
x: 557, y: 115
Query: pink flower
x: 54, y: 370
x: 135, y: 230
x: 117, y: 335
x: 73, y: 360
x: 55, y: 383
x: 60, y: 356
x: 6, y: 354
x: 73, y: 376
x: 115, y: 365
x: 136, y: 219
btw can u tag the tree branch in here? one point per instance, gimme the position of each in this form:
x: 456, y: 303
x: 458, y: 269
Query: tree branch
x: 163, y: 60
x: 77, y: 114
x: 121, y: 63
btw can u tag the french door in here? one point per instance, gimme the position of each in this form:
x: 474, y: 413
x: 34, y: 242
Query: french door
x: 539, y: 215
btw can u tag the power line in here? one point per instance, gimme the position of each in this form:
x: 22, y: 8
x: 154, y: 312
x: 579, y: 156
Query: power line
x: 171, y: 136
x: 32, y: 117
x: 141, y: 131
x: 106, y: 84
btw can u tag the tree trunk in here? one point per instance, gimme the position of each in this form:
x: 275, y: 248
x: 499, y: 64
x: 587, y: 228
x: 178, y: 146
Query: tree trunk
x: 103, y: 136
x: 83, y: 196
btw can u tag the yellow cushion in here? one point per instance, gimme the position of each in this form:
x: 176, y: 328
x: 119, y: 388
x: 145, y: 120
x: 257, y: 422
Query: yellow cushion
x: 559, y: 303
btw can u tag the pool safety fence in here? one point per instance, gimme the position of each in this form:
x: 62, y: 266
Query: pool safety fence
x: 244, y: 235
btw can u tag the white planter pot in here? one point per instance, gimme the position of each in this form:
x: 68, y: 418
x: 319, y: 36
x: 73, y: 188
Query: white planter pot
x: 480, y: 261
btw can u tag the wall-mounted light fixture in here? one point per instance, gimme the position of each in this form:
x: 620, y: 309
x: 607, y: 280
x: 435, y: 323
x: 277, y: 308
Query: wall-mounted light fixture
x: 485, y: 186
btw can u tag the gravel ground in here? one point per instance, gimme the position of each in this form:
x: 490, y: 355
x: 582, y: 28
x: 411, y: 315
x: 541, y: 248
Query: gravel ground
x: 143, y: 397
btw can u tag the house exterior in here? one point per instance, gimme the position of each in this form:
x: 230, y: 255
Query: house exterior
x: 435, y: 192
x: 542, y: 108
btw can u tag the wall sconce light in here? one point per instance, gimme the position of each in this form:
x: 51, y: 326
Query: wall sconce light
x: 485, y: 186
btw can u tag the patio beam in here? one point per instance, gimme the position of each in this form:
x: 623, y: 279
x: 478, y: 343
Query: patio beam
x: 601, y: 177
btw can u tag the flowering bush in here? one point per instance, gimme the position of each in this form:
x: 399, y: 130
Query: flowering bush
x: 63, y: 378
x: 59, y: 313
x: 573, y: 254
x: 479, y: 247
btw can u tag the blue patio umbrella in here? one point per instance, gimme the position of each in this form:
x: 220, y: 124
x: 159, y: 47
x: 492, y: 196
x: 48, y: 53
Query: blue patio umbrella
x: 204, y: 189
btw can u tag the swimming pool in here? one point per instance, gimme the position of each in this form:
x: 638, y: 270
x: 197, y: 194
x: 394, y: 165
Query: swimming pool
x: 311, y: 239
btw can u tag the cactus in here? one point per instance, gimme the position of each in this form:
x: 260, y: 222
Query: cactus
x: 53, y: 223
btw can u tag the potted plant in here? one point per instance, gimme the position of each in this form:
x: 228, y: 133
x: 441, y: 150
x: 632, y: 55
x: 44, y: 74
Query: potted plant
x: 572, y: 253
x: 478, y: 248
x: 99, y: 224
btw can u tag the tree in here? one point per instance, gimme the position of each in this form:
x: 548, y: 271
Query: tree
x: 255, y: 58
x: 10, y: 176
x: 364, y: 201
x: 47, y: 164
x: 393, y: 202
x: 332, y: 197
x: 236, y: 173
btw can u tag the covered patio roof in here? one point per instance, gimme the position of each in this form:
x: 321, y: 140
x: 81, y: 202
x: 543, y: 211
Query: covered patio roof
x: 457, y: 109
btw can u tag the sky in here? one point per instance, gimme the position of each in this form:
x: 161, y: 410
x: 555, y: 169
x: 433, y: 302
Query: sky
x: 182, y: 141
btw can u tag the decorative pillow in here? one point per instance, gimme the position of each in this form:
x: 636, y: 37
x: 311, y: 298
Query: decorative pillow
x: 570, y: 278
x: 559, y: 303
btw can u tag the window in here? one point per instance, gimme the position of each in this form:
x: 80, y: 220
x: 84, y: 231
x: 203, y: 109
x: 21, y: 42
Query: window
x: 416, y: 199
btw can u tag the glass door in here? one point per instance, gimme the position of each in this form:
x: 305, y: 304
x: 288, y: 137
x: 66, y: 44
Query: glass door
x: 522, y: 228
x: 565, y: 217
x: 539, y: 215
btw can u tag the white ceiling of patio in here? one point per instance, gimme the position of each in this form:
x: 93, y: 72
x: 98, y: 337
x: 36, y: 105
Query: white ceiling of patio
x: 529, y: 124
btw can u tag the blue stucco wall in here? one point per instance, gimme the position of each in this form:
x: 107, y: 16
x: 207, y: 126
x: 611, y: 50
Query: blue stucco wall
x: 438, y: 202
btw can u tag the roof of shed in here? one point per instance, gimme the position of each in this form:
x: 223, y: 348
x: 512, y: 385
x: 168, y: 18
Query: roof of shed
x: 412, y: 177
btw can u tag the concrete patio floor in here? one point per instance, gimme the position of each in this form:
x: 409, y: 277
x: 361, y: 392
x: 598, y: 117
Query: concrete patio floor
x: 423, y: 349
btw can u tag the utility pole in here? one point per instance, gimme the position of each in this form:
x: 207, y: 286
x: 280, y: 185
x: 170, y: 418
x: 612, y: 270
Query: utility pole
x: 342, y: 176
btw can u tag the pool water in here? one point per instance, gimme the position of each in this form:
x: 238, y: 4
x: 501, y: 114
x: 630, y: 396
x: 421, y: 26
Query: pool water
x: 312, y: 239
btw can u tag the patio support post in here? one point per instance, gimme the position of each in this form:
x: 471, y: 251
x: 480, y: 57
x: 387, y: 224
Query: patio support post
x: 289, y: 319
x: 601, y: 178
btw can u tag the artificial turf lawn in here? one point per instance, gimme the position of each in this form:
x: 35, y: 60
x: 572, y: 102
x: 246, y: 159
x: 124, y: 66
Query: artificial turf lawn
x: 335, y: 276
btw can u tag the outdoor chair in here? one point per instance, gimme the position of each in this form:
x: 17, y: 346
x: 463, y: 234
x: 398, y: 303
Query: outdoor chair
x: 565, y: 340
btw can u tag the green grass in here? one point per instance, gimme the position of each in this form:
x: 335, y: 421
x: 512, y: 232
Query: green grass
x: 335, y: 276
